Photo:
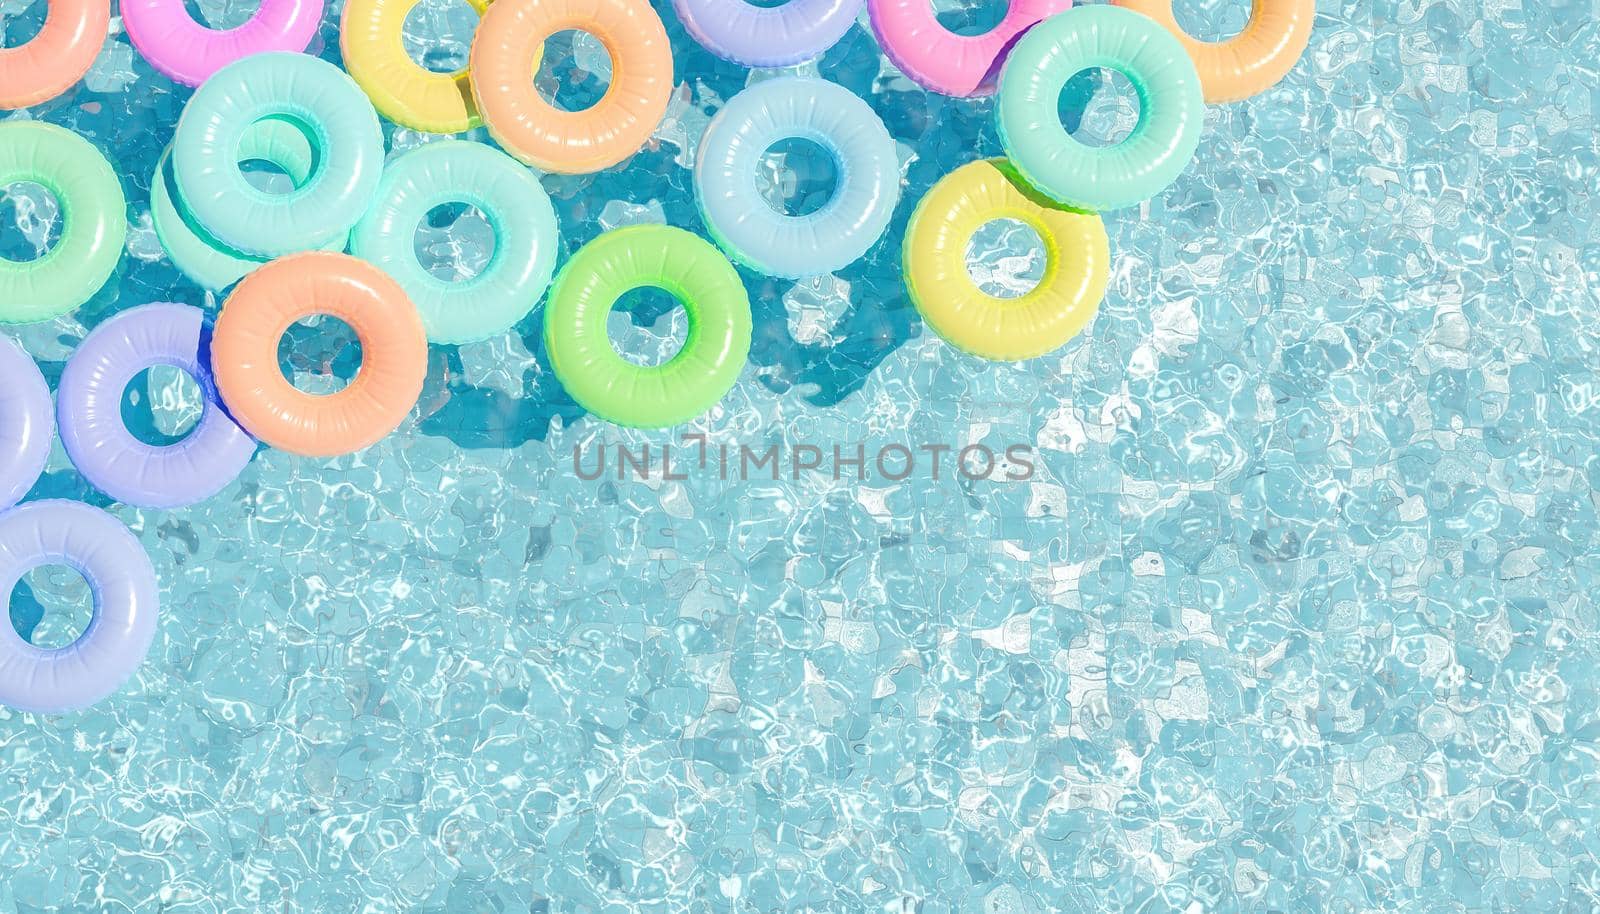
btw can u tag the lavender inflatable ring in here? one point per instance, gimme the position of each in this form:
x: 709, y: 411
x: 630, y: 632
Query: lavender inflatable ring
x: 118, y: 636
x: 89, y: 411
x: 779, y: 36
x: 26, y: 422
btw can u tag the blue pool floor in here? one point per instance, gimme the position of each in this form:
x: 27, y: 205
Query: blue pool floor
x: 1296, y: 613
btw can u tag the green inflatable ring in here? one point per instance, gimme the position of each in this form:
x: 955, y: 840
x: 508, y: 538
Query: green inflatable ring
x: 93, y: 221
x: 201, y: 257
x: 1099, y: 178
x: 679, y: 263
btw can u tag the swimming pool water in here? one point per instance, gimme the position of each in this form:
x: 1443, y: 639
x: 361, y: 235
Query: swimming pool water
x: 1295, y: 613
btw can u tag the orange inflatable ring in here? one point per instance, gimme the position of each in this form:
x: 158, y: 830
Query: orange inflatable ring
x: 394, y: 354
x: 505, y: 50
x: 1252, y: 61
x: 58, y: 56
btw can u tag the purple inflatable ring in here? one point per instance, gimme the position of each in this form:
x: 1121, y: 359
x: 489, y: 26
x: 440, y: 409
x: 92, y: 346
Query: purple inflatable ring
x: 89, y: 411
x: 126, y: 600
x: 779, y: 36
x: 26, y: 422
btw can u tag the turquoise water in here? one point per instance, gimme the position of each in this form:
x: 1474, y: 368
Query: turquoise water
x: 1295, y: 612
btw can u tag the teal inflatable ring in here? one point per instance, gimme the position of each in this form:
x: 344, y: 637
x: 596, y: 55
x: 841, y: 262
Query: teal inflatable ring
x: 516, y: 207
x: 205, y: 260
x: 1171, y: 111
x: 93, y: 221
x: 311, y: 95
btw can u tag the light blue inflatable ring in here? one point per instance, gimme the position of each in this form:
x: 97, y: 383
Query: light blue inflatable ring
x: 1171, y: 111
x: 771, y: 242
x: 315, y: 97
x: 202, y: 258
x: 510, y: 198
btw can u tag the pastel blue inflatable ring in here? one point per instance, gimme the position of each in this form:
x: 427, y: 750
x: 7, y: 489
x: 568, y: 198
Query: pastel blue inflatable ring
x: 126, y: 597
x: 205, y: 260
x: 26, y: 422
x: 510, y: 198
x: 779, y: 36
x: 315, y: 97
x: 1171, y: 110
x: 89, y: 411
x: 771, y: 242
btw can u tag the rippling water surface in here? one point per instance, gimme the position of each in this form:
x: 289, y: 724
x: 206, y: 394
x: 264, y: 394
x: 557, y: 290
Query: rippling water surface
x: 1296, y: 612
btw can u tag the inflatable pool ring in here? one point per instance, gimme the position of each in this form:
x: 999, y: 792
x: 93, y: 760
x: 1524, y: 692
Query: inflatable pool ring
x: 93, y: 221
x: 1252, y: 61
x: 677, y: 262
x: 58, y: 56
x: 1077, y: 265
x: 89, y: 411
x: 126, y: 601
x: 510, y: 198
x: 401, y: 89
x: 26, y: 423
x: 938, y: 59
x: 834, y: 118
x: 1171, y: 112
x: 297, y: 89
x: 187, y: 52
x: 510, y: 36
x: 394, y: 354
x: 205, y: 260
x: 779, y: 36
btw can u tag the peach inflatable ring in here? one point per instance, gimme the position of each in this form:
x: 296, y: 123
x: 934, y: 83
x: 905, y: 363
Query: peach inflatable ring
x: 394, y: 354
x: 1249, y: 63
x: 505, y: 50
x: 58, y: 56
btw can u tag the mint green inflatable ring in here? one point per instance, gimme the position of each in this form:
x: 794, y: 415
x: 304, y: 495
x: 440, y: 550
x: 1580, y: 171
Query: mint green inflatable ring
x: 1171, y: 111
x: 677, y: 262
x: 205, y: 260
x: 311, y: 95
x: 93, y: 221
x: 510, y: 198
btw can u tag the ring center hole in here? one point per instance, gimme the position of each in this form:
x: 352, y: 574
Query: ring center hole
x: 21, y: 22
x: 647, y: 326
x: 796, y: 176
x: 1099, y: 107
x: 267, y: 176
x: 221, y: 14
x: 161, y: 405
x: 1212, y: 20
x: 277, y: 155
x: 454, y: 242
x: 1005, y: 258
x: 51, y: 606
x: 970, y: 17
x: 437, y: 34
x: 319, y: 354
x: 30, y: 222
x: 574, y: 71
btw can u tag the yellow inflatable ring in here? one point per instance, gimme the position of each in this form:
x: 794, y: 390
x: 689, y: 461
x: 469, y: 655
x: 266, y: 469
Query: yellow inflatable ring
x: 1077, y: 265
x: 402, y: 90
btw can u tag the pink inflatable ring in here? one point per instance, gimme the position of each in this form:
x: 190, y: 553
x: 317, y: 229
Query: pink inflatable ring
x: 188, y: 52
x: 941, y: 61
